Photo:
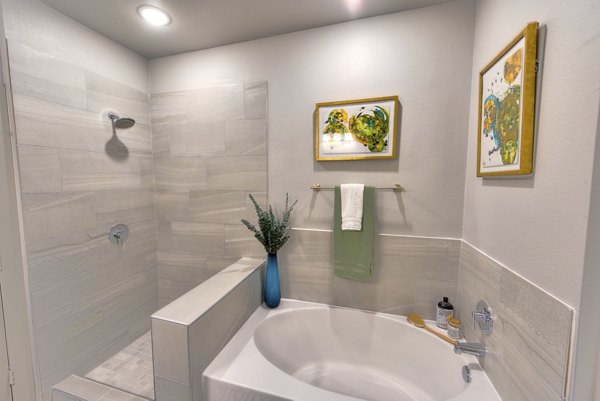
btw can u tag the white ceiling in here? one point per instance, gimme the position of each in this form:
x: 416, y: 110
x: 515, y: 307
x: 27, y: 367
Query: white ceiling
x: 201, y: 24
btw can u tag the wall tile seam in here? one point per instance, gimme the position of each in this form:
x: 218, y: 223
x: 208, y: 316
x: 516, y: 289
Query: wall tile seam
x: 161, y: 276
x: 124, y: 98
x: 219, y: 84
x: 473, y: 104
x: 82, y: 195
x: 206, y: 156
x: 128, y: 275
x: 323, y: 230
x: 120, y: 190
x: 141, y: 154
x: 199, y: 254
x: 519, y: 276
x: 61, y: 169
x: 89, y: 78
x: 155, y: 186
x: 27, y: 78
x: 17, y: 42
x: 67, y: 235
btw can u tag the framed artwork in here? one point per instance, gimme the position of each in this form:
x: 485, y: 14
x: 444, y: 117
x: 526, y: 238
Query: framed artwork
x: 361, y: 129
x: 507, y: 108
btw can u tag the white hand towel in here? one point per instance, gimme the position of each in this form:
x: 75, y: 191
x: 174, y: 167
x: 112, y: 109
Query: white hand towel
x: 352, y: 206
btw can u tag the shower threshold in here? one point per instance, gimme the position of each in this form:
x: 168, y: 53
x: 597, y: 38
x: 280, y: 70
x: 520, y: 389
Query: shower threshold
x: 127, y: 375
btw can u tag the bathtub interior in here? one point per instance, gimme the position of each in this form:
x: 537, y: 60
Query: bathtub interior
x: 360, y: 353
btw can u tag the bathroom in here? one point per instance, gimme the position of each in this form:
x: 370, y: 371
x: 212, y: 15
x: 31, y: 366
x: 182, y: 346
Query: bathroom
x: 221, y: 113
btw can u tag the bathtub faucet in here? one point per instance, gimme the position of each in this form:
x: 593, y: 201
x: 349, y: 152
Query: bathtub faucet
x: 476, y: 349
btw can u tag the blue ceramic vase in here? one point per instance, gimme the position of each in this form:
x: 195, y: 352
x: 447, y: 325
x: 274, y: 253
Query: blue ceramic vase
x: 272, y: 288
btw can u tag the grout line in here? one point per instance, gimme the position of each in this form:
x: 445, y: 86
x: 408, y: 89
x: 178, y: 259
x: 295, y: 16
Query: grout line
x: 382, y: 234
x: 517, y: 274
x: 100, y: 152
x: 112, y: 387
x: 420, y: 236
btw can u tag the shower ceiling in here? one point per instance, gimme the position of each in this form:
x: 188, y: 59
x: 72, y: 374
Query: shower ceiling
x: 201, y: 24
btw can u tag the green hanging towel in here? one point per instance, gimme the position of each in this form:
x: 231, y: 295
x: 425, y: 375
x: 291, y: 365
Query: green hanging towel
x: 353, y: 250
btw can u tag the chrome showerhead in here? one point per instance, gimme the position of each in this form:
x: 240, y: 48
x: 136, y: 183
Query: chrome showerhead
x: 121, y: 122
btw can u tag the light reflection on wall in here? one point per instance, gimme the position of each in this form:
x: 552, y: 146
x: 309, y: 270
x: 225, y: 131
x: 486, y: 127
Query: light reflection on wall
x: 353, y: 6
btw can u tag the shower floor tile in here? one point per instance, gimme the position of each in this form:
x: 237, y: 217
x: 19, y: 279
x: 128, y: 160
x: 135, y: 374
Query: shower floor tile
x: 130, y: 370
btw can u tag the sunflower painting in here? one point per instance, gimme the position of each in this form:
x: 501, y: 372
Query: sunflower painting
x: 356, y: 129
x: 506, y: 108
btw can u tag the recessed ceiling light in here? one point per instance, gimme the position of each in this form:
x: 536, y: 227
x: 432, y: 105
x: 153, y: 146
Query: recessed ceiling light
x: 154, y: 15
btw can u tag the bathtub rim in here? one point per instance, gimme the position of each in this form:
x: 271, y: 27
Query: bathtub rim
x: 251, y: 374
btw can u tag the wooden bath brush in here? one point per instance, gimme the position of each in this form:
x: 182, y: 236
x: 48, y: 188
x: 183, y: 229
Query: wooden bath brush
x: 418, y: 321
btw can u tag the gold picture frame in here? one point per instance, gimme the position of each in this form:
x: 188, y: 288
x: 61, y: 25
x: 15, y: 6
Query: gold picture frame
x: 507, y: 108
x: 361, y: 129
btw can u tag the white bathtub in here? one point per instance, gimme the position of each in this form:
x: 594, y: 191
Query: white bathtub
x: 312, y: 352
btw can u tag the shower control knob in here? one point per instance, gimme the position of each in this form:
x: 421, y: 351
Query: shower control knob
x: 484, y: 317
x: 118, y: 234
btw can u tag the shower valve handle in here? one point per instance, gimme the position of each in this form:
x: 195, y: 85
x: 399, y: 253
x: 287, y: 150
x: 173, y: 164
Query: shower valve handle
x: 483, y: 316
x: 118, y: 234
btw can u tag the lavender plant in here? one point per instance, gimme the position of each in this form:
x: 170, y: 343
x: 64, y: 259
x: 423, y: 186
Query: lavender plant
x: 272, y: 233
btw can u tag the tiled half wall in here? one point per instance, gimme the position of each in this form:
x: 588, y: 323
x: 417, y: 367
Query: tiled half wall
x: 188, y: 333
x: 89, y: 298
x: 210, y: 152
x: 528, y: 350
x: 409, y: 273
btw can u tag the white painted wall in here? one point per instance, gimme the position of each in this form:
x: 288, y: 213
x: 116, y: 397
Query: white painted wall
x: 587, y: 372
x: 423, y: 56
x: 40, y: 27
x: 537, y: 225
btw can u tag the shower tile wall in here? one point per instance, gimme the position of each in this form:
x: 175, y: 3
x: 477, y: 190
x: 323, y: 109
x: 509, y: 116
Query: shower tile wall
x: 209, y: 153
x: 89, y: 298
x: 410, y: 274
